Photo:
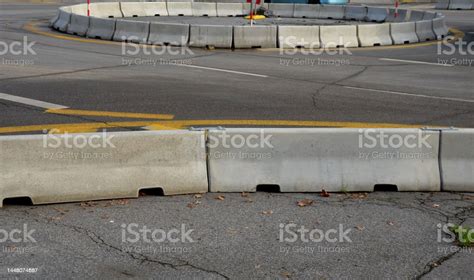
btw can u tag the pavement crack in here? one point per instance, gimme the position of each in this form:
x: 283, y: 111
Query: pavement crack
x: 435, y: 264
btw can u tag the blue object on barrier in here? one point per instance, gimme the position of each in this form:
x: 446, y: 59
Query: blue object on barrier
x: 334, y: 2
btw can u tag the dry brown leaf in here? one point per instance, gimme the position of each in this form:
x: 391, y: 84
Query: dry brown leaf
x: 469, y: 197
x: 286, y: 274
x: 244, y: 194
x: 390, y: 223
x: 360, y: 227
x: 305, y: 202
x: 198, y: 196
x: 435, y: 205
x: 324, y: 193
x: 220, y: 197
x: 268, y: 212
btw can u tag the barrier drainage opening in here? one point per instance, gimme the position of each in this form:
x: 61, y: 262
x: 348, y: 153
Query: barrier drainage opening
x: 256, y: 47
x: 134, y: 16
x: 151, y: 192
x: 385, y: 188
x: 406, y: 42
x: 23, y: 200
x: 268, y: 188
x: 157, y: 15
x: 180, y: 15
x: 111, y: 16
x: 377, y: 45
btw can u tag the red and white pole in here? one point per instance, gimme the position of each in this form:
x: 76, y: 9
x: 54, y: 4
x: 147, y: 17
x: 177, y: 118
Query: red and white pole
x: 396, y: 9
x: 88, y: 8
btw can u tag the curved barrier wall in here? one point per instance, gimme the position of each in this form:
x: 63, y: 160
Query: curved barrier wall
x: 106, y: 23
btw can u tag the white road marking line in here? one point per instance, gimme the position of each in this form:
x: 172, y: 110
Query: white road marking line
x: 414, y: 95
x: 31, y: 102
x: 416, y: 62
x: 222, y: 70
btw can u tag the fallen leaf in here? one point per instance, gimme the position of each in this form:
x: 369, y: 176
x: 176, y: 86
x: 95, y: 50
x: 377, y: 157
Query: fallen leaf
x: 435, y: 205
x: 324, y: 193
x: 220, y: 197
x: 390, y: 223
x: 359, y: 195
x: 360, y: 227
x: 305, y: 202
x: 191, y: 205
x: 286, y: 274
x: 198, y: 196
x: 244, y: 194
x: 469, y: 197
x: 268, y: 212
x: 88, y: 204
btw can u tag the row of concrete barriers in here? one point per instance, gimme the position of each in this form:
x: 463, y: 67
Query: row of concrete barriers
x: 455, y: 5
x: 79, y: 167
x: 399, y: 29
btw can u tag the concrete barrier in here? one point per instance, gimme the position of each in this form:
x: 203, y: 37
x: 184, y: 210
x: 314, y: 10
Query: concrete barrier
x: 80, y: 9
x: 255, y: 36
x: 442, y: 4
x: 429, y: 16
x: 377, y: 14
x: 179, y: 8
x: 133, y: 9
x: 416, y: 15
x: 153, y: 9
x: 204, y: 9
x: 63, y: 21
x: 174, y: 34
x: 460, y: 4
x: 229, y: 9
x: 339, y: 36
x: 331, y: 12
x: 306, y: 11
x: 101, y: 28
x: 439, y: 28
x: 79, y: 25
x: 106, y: 10
x: 132, y: 31
x: 282, y: 10
x: 101, y: 166
x: 355, y: 13
x: 424, y: 30
x: 298, y: 37
x: 218, y: 36
x: 374, y: 35
x: 400, y: 17
x: 457, y: 160
x: 403, y: 33
x: 53, y: 20
x: 309, y: 160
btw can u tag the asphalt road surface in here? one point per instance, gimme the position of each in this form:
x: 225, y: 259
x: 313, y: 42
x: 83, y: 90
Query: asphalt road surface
x: 250, y: 236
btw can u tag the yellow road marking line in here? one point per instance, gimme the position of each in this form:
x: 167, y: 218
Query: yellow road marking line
x: 180, y: 124
x: 110, y: 114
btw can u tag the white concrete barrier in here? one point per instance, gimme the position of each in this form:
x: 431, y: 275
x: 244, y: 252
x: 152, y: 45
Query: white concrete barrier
x: 201, y: 9
x: 80, y: 9
x: 282, y: 10
x: 298, y: 37
x: 457, y: 160
x: 63, y: 21
x: 400, y: 16
x: 416, y: 15
x: 179, y: 8
x: 355, y: 13
x: 92, y: 166
x: 377, y: 14
x: 218, y: 36
x: 133, y: 9
x: 173, y: 34
x: 53, y: 20
x: 306, y: 11
x: 374, y: 35
x: 309, y: 160
x: 79, y: 25
x: 460, y: 4
x: 403, y: 33
x: 424, y: 30
x: 153, y: 9
x: 439, y: 28
x: 429, y: 16
x: 230, y: 9
x: 339, y: 36
x: 332, y: 12
x: 101, y: 28
x: 132, y: 31
x: 106, y: 10
x: 442, y: 4
x: 255, y: 36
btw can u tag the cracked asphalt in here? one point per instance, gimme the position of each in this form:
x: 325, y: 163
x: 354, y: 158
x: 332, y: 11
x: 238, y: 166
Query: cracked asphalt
x: 238, y: 236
